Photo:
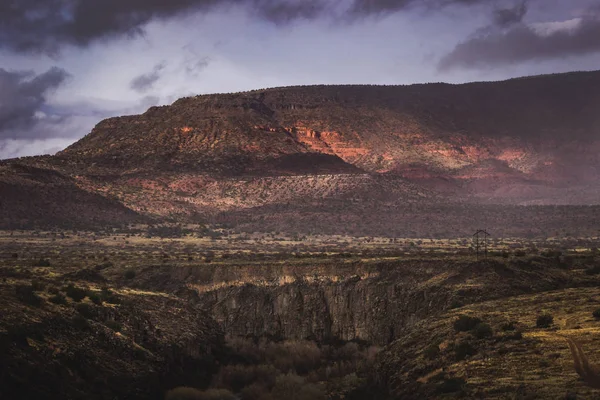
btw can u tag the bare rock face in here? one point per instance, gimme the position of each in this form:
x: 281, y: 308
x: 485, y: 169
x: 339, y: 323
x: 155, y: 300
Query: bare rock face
x: 372, y: 302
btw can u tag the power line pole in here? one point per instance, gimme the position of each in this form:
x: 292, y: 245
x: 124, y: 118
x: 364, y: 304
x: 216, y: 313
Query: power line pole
x: 481, y: 239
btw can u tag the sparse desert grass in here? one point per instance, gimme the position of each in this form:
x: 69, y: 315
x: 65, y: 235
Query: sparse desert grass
x: 520, y: 354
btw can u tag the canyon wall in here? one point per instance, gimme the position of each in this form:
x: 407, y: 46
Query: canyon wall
x: 375, y: 302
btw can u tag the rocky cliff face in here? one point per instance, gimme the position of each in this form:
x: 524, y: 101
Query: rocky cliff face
x: 374, y: 302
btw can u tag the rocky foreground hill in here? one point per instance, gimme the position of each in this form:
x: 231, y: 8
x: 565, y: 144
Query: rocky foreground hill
x: 459, y: 156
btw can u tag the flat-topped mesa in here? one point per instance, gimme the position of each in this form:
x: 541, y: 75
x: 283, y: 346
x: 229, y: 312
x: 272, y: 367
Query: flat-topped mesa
x: 527, y: 124
x: 531, y: 141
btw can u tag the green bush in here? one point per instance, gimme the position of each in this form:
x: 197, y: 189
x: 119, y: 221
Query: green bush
x: 75, y: 293
x: 27, y: 295
x: 464, y: 350
x: 544, y: 321
x: 431, y: 352
x: 466, y: 323
x: 483, y: 331
x: 58, y: 298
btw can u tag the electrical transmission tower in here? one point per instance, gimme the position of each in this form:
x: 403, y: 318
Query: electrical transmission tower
x: 481, y: 241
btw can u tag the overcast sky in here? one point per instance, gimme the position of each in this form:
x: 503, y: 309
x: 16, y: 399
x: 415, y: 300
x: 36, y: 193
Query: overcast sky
x: 67, y: 64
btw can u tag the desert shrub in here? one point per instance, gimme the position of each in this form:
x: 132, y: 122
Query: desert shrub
x: 516, y: 335
x: 595, y: 270
x: 294, y: 387
x: 27, y: 295
x: 85, y: 309
x: 456, y: 304
x: 58, y: 298
x: 596, y: 313
x: 37, y: 286
x: 463, y: 350
x: 129, y: 274
x: 42, y: 262
x: 466, y: 323
x: 483, y: 331
x: 95, y: 298
x: 187, y: 393
x: 544, y: 363
x: 108, y: 296
x: 509, y: 326
x: 53, y: 290
x: 114, y: 325
x: 431, y: 352
x: 452, y: 385
x: 80, y: 322
x: 544, y: 321
x: 75, y: 293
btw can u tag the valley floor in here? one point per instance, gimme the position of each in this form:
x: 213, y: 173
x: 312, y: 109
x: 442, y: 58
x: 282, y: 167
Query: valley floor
x: 269, y: 316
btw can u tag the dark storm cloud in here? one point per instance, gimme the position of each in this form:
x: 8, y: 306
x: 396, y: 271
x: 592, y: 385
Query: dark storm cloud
x: 23, y: 96
x: 505, y: 17
x: 370, y: 7
x: 145, y: 82
x: 47, y: 25
x: 523, y: 43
